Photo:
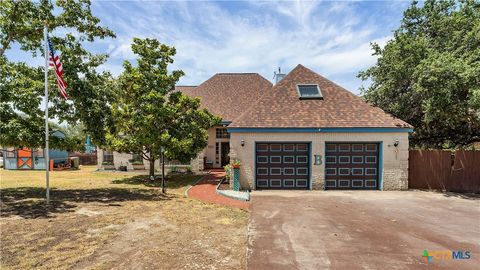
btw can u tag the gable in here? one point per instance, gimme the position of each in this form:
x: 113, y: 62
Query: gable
x: 282, y: 107
x: 227, y: 95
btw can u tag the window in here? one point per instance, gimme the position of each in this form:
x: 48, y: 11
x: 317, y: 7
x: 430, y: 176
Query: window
x: 222, y: 133
x: 108, y: 156
x: 309, y: 91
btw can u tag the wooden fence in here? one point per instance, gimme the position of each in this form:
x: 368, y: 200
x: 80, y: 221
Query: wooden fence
x: 457, y: 171
x: 85, y: 158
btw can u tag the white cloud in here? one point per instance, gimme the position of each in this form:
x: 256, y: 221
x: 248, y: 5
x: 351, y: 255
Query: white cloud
x: 258, y: 37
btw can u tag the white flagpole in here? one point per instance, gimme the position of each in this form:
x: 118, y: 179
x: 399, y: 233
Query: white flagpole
x: 47, y: 158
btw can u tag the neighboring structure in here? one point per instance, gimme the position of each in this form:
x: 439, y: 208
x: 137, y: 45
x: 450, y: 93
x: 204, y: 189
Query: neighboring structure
x: 33, y: 159
x: 305, y: 132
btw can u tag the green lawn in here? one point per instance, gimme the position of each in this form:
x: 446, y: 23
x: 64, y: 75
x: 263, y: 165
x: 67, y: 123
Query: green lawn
x: 107, y: 220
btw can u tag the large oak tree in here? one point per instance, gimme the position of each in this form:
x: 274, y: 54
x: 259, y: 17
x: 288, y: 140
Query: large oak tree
x: 429, y: 73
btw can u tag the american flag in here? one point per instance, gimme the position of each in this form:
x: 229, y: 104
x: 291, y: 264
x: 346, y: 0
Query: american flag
x: 58, y: 68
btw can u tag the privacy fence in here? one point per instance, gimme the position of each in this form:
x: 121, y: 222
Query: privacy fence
x: 85, y: 158
x: 457, y: 171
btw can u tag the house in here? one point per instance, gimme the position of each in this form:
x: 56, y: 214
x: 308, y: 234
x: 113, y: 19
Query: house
x: 304, y: 132
x: 24, y: 158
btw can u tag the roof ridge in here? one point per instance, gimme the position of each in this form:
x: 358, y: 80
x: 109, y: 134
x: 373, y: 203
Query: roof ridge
x: 237, y: 73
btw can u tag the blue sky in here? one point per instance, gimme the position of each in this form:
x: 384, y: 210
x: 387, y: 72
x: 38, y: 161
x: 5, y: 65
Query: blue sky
x: 332, y: 38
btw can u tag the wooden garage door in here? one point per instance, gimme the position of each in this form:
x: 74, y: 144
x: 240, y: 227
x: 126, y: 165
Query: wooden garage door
x: 351, y: 166
x: 282, y: 165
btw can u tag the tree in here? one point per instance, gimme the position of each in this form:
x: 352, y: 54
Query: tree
x: 149, y: 115
x: 22, y: 85
x: 429, y: 73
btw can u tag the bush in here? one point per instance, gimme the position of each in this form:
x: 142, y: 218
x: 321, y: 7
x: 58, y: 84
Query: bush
x: 228, y: 171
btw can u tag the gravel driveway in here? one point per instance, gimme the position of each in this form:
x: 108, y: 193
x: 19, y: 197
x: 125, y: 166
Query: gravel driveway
x: 361, y: 230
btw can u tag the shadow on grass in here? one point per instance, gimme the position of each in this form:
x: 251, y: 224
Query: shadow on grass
x: 171, y: 182
x: 29, y: 202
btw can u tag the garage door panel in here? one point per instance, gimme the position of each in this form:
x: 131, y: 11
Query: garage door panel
x: 351, y: 165
x: 282, y: 165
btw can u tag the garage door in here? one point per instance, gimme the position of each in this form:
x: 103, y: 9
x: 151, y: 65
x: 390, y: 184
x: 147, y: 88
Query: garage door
x: 351, y: 166
x: 282, y: 165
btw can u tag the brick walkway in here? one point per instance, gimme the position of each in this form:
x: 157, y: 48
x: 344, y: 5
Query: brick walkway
x: 205, y: 191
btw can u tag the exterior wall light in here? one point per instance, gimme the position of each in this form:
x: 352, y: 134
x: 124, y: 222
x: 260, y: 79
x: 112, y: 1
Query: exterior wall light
x: 242, y: 143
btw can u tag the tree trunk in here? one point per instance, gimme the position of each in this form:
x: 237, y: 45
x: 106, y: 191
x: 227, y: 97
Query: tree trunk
x: 152, y: 169
x: 163, y: 173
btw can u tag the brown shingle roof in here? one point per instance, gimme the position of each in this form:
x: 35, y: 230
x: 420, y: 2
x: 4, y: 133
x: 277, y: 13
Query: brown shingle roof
x: 280, y: 107
x: 228, y: 95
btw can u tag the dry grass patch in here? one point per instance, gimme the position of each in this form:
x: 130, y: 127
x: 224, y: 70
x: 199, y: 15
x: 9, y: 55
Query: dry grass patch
x: 105, y: 220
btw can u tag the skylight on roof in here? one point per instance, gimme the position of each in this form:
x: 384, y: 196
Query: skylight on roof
x: 309, y: 91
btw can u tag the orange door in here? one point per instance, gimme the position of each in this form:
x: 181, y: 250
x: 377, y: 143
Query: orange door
x: 24, y: 159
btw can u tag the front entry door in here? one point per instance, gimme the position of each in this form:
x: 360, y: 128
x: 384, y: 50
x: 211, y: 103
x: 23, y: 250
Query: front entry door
x: 225, y: 148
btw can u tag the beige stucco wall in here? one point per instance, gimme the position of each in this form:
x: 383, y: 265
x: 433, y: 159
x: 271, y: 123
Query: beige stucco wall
x: 394, y: 168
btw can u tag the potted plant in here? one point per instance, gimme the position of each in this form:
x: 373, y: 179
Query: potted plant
x: 108, y: 165
x: 236, y: 164
x: 236, y: 174
x: 137, y: 164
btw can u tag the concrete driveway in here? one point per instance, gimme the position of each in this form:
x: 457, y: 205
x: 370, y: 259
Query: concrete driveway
x: 361, y: 230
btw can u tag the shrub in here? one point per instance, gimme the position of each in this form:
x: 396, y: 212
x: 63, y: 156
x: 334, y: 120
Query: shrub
x: 228, y: 171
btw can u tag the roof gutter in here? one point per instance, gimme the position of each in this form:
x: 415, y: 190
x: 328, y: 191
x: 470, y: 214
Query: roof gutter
x: 319, y: 130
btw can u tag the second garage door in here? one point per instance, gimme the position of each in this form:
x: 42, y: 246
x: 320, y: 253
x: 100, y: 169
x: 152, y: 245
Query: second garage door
x: 282, y: 165
x: 351, y: 166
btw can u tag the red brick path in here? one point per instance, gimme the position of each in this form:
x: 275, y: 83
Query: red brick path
x: 205, y: 191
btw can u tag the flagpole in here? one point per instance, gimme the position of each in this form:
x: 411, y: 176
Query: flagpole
x: 47, y: 157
